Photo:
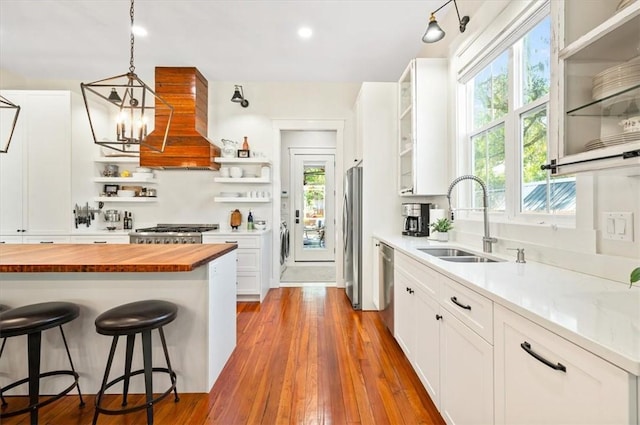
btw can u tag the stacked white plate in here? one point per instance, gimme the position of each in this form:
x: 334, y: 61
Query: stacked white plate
x: 230, y: 194
x: 616, y: 79
x: 616, y: 139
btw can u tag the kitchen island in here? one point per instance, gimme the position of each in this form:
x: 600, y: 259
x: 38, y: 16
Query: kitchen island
x: 200, y: 279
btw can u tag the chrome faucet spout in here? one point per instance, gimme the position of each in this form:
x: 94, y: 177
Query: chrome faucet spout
x: 487, y: 240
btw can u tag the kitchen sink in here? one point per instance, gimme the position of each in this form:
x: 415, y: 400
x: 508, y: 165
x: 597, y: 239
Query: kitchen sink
x: 445, y: 252
x: 470, y: 259
x: 457, y: 255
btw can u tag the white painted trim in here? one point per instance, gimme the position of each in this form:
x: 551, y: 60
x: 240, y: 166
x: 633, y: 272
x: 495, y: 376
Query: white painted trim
x: 280, y: 125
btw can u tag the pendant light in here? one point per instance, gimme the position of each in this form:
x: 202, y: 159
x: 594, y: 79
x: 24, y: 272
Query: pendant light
x: 9, y: 112
x: 128, y: 107
x: 434, y: 32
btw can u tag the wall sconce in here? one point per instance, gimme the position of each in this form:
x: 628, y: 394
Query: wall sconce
x: 132, y: 113
x: 9, y: 114
x: 238, y: 97
x: 434, y: 32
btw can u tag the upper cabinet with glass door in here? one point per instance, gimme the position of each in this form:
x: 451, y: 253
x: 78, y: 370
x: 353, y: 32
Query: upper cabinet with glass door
x: 598, y: 85
x: 422, y: 128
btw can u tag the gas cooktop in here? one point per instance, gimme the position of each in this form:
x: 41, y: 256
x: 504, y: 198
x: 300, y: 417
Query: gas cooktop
x: 171, y: 233
x: 180, y: 228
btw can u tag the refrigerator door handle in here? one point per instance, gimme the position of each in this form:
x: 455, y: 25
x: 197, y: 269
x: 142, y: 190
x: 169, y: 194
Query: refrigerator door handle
x: 345, y: 216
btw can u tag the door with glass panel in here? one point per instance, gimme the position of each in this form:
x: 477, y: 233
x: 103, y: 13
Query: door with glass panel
x: 313, y: 184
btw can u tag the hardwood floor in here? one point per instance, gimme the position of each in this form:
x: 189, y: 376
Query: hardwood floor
x: 303, y: 357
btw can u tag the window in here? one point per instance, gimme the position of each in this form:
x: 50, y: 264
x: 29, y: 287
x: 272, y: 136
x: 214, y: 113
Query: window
x: 507, y: 115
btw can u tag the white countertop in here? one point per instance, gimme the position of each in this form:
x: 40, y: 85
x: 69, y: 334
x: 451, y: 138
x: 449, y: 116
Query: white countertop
x: 239, y: 232
x: 600, y: 315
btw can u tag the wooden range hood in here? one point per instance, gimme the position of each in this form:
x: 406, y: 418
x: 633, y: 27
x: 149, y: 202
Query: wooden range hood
x: 186, y: 89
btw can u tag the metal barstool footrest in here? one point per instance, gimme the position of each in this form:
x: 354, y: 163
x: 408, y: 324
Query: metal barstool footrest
x: 44, y: 402
x: 172, y: 375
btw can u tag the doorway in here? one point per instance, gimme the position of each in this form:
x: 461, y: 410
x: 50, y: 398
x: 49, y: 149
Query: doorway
x: 312, y: 137
x: 313, y: 195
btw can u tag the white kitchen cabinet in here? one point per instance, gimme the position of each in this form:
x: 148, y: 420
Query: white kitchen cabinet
x: 466, y: 374
x: 589, y: 96
x: 555, y: 381
x: 376, y: 111
x: 450, y: 350
x: 46, y: 239
x: 416, y: 321
x: 254, y: 262
x: 35, y: 175
x: 102, y: 239
x: 422, y: 126
x: 10, y: 239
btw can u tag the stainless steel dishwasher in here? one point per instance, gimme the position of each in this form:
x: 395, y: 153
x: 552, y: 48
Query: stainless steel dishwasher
x: 386, y: 284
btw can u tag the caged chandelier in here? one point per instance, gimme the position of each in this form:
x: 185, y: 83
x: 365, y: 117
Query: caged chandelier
x: 129, y: 104
x: 9, y: 112
x: 434, y: 32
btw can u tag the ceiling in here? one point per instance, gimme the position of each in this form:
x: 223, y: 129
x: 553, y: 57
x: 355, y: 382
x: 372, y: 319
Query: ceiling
x: 237, y: 40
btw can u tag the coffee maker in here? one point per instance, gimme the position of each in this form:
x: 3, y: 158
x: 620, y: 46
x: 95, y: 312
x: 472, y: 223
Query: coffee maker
x: 416, y: 219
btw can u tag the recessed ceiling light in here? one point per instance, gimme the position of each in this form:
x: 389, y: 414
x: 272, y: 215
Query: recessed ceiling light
x: 139, y: 31
x: 305, y: 32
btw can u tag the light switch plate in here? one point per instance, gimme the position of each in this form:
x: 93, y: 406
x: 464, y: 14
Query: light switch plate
x: 618, y: 226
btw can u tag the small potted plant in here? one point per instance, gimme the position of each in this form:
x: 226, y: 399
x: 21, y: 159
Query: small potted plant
x: 634, y: 277
x: 442, y: 226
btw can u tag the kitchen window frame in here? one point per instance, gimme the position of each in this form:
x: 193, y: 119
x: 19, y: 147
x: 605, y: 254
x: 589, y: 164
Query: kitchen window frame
x: 507, y: 38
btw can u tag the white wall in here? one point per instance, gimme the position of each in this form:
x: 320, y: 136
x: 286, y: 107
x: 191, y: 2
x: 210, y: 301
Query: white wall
x: 187, y: 196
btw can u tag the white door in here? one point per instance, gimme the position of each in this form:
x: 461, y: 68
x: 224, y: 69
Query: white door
x: 313, y: 190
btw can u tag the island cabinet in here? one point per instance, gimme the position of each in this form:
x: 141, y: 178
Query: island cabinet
x: 35, y: 173
x: 541, y: 378
x: 254, y: 261
x: 444, y: 345
x: 199, y: 279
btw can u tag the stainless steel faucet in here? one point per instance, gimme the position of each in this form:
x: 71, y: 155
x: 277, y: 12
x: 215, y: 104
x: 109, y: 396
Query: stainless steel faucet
x: 486, y: 240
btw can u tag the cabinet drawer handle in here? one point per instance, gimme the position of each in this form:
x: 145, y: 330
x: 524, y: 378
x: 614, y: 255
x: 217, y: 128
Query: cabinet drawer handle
x: 456, y: 302
x: 99, y: 241
x: 230, y: 241
x: 46, y: 241
x: 527, y: 347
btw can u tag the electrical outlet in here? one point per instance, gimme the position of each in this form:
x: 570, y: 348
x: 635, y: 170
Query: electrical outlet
x: 618, y: 226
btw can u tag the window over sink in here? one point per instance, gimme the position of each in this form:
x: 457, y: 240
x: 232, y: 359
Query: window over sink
x: 506, y: 114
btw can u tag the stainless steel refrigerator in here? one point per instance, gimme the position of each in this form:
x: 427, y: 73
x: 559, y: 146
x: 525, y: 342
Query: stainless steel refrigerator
x: 352, y: 235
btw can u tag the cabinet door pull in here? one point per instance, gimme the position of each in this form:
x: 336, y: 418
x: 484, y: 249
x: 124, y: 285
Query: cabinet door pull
x: 456, y: 302
x: 558, y: 366
x: 438, y: 317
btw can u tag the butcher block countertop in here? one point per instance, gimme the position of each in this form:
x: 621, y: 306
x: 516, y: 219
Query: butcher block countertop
x: 64, y: 258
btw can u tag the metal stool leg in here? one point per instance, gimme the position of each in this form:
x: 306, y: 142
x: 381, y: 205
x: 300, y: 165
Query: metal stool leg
x: 4, y: 402
x: 148, y: 373
x: 166, y: 356
x: 73, y: 369
x: 131, y: 339
x: 106, y: 377
x: 33, y: 348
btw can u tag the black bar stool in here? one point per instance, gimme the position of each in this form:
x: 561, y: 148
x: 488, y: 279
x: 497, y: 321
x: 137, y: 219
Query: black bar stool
x: 131, y: 319
x: 31, y: 320
x: 4, y: 341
